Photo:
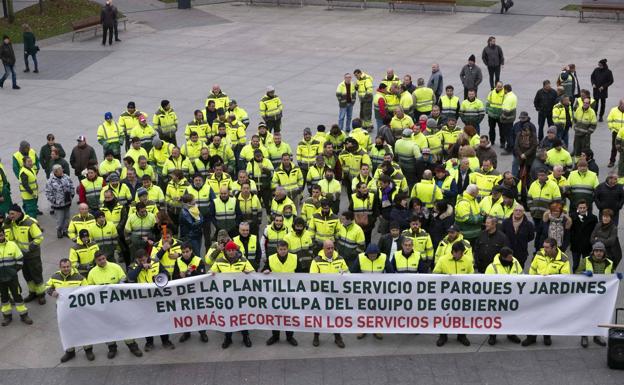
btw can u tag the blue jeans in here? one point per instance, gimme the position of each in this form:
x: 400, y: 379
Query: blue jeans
x: 345, y: 113
x: 515, y: 166
x: 9, y: 68
x: 34, y: 59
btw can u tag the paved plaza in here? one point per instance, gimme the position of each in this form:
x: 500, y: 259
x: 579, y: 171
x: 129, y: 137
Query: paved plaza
x: 303, y: 52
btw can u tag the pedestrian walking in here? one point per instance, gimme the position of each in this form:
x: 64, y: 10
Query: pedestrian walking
x: 7, y: 55
x: 494, y: 59
x: 30, y: 48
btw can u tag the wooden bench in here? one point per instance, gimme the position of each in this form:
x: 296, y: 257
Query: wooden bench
x: 276, y: 2
x: 91, y: 23
x: 452, y: 3
x: 332, y: 3
x: 617, y: 8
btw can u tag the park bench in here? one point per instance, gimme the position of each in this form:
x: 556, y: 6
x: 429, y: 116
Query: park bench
x: 91, y: 23
x: 452, y: 3
x: 276, y: 2
x: 604, y: 7
x: 333, y: 3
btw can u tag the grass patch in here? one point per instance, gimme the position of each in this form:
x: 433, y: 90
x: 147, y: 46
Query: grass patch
x: 56, y: 18
x: 571, y: 7
x: 477, y: 3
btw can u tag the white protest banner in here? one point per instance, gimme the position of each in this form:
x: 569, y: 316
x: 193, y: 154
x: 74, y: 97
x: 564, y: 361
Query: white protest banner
x: 350, y: 303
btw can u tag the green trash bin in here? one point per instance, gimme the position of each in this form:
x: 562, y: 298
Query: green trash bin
x: 184, y: 4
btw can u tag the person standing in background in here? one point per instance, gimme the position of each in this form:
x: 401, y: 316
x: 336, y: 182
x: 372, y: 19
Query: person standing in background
x: 108, y: 20
x: 494, y: 60
x: 436, y: 81
x: 30, y: 47
x: 471, y: 76
x: 601, y: 80
x: 116, y: 24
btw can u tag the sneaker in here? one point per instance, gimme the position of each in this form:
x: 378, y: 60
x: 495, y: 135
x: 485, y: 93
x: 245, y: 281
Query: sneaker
x: 203, y: 337
x: 339, y: 342
x: 292, y: 341
x: 442, y: 340
x: 68, y: 356
x: 149, y: 346
x: 59, y: 234
x: 112, y: 352
x: 7, y: 320
x: 514, y: 338
x: 26, y: 319
x: 315, y: 340
x: 599, y: 341
x: 360, y: 336
x: 378, y: 336
x: 247, y: 341
x: 272, y: 340
x: 17, y: 87
x: 547, y: 340
x: 168, y: 345
x: 27, y: 70
x: 226, y: 343
x: 89, y: 354
x: 185, y: 337
x: 600, y: 119
x: 464, y: 340
x: 611, y: 164
x: 41, y: 300
x: 36, y: 71
x: 584, y: 341
x: 492, y: 340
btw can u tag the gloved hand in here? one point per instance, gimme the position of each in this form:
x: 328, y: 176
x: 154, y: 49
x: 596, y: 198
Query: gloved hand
x: 619, y: 275
x: 588, y: 273
x: 32, y: 247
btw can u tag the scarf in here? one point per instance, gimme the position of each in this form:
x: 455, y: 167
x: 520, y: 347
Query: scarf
x: 557, y: 229
x: 194, y: 211
x: 516, y: 223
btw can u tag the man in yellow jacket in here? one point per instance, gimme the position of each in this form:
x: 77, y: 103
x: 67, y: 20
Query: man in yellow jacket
x: 548, y: 261
x: 67, y: 276
x: 233, y: 262
x: 329, y: 262
x: 11, y: 261
x: 456, y: 263
x: 504, y: 263
x: 365, y: 91
x: 271, y: 110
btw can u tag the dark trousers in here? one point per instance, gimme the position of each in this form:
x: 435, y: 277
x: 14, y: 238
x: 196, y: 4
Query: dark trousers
x: 164, y: 338
x: 492, y: 124
x: 11, y: 290
x: 244, y: 333
x: 274, y: 125
x: 107, y: 29
x: 613, y: 149
x: 9, y: 69
x: 494, y: 73
x: 505, y: 134
x: 34, y: 59
x: 276, y: 334
x: 33, y: 273
x: 206, y: 227
x: 542, y: 118
x: 116, y: 30
x: 600, y: 106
